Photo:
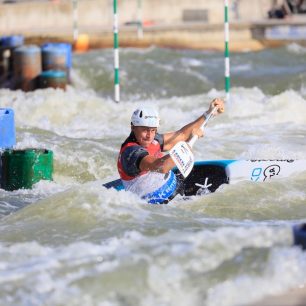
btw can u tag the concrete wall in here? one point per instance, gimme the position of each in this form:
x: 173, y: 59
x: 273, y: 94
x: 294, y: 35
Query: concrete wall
x: 96, y: 15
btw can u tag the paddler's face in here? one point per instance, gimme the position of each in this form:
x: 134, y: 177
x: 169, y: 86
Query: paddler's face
x: 144, y: 135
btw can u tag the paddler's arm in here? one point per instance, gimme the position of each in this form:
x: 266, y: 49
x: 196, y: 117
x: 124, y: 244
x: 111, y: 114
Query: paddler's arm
x: 187, y: 131
x: 151, y: 163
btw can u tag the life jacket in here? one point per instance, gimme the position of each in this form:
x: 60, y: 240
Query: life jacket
x: 154, y: 187
x: 153, y: 150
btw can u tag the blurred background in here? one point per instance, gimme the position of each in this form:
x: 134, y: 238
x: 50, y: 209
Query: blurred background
x: 183, y: 23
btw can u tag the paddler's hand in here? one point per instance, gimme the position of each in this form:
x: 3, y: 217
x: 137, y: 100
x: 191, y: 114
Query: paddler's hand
x: 197, y: 132
x: 219, y: 103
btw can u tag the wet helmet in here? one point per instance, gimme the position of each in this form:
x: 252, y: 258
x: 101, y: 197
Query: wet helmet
x: 145, y: 116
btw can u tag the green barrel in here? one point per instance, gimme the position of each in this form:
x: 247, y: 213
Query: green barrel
x: 23, y: 168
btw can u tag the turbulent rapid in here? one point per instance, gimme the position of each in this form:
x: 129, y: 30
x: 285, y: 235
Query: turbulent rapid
x: 73, y: 242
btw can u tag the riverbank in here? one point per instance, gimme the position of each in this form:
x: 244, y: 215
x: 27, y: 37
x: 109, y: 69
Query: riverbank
x: 243, y: 36
x: 163, y: 25
x: 192, y: 36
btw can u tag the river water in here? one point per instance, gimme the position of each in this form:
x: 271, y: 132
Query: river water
x: 72, y: 242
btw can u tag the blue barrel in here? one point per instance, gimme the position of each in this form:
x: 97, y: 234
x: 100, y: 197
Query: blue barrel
x: 57, y: 56
x: 53, y: 78
x: 299, y: 235
x: 11, y: 41
x: 27, y: 67
x: 64, y: 46
x: 7, y: 128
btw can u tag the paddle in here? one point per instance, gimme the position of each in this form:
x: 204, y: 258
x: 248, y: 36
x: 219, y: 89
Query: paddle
x: 181, y: 153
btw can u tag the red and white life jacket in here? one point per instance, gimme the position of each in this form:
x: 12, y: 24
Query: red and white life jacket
x: 155, y: 187
x: 153, y: 149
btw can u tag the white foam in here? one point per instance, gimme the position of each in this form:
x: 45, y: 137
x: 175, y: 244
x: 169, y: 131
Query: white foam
x: 296, y: 48
x: 285, y: 270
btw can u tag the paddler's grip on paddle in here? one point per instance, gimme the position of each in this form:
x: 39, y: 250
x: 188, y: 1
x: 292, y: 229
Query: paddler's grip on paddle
x: 216, y: 106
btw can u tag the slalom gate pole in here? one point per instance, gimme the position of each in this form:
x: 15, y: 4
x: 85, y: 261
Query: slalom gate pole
x: 226, y: 52
x: 116, y: 54
x: 75, y: 20
x: 139, y: 17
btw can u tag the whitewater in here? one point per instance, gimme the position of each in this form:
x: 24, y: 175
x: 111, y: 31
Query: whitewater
x: 73, y: 242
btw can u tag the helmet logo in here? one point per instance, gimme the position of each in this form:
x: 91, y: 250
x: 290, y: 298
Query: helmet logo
x: 145, y: 117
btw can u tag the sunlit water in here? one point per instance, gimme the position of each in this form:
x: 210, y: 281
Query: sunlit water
x: 72, y: 242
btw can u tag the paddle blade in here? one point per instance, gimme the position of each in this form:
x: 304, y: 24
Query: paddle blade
x: 183, y: 157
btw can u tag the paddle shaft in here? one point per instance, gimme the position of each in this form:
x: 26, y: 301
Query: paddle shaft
x: 194, y: 138
x: 181, y: 153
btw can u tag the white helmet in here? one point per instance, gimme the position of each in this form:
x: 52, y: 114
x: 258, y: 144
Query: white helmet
x: 145, y: 116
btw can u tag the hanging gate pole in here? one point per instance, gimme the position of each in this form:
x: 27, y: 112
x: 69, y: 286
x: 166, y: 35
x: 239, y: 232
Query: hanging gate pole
x: 139, y: 21
x: 116, y: 54
x: 75, y: 20
x: 226, y: 52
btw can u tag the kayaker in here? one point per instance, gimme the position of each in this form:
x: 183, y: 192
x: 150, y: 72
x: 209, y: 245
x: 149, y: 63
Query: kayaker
x: 142, y: 166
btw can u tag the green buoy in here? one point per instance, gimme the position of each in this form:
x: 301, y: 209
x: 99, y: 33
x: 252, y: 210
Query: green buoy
x: 23, y: 168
